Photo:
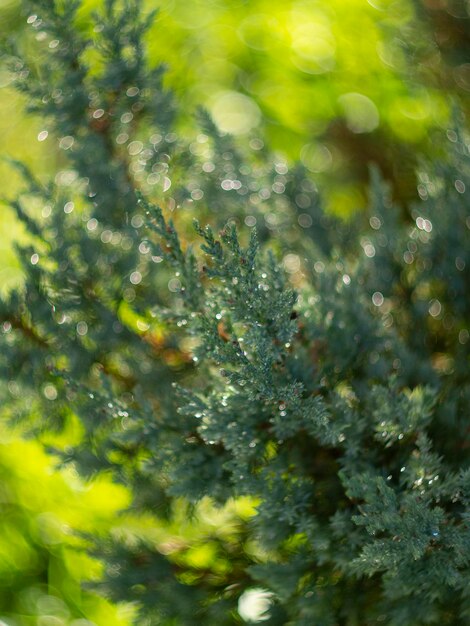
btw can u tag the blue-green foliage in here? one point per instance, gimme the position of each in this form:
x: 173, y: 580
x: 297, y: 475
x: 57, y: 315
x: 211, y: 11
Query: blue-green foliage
x: 332, y: 388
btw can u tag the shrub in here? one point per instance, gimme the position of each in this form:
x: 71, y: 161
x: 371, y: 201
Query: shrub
x: 328, y: 390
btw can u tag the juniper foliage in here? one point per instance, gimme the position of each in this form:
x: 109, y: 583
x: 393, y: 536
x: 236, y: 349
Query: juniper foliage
x: 331, y: 389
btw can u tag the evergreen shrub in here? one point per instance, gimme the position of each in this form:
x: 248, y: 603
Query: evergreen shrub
x: 311, y: 371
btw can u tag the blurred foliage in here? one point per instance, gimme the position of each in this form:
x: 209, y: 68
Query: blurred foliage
x: 42, y: 559
x: 337, y: 85
x: 371, y: 80
x: 46, y: 516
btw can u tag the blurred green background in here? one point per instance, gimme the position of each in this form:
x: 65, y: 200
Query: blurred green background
x: 42, y: 562
x: 333, y: 84
x: 336, y: 85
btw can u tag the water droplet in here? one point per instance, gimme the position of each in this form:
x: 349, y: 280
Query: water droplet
x: 305, y: 220
x: 375, y: 222
x: 106, y: 236
x: 66, y: 142
x: 82, y: 328
x: 250, y: 221
x: 174, y: 285
x: 424, y: 224
x: 135, y: 147
x: 452, y: 135
x: 127, y: 117
x: 460, y: 186
x: 435, y: 308
x: 208, y: 166
x: 197, y: 194
x: 369, y: 250
x: 137, y: 221
x: 408, y: 257
x: 50, y: 392
x: 256, y: 144
x: 135, y: 278
x: 377, y: 298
